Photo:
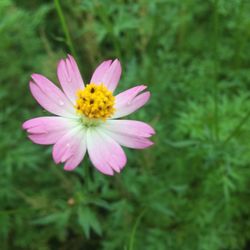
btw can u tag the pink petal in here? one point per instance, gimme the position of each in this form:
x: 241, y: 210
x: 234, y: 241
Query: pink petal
x: 130, y: 141
x: 50, y: 97
x: 108, y: 73
x: 130, y: 100
x: 129, y: 127
x: 48, y: 130
x: 132, y: 134
x: 70, y: 149
x: 69, y: 77
x: 105, y: 154
x: 100, y: 71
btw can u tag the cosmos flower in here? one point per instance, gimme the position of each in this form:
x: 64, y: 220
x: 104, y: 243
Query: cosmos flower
x: 86, y: 117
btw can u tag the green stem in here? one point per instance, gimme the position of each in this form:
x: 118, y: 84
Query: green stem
x: 216, y: 59
x: 237, y: 128
x: 132, y: 237
x: 239, y: 39
x: 65, y: 27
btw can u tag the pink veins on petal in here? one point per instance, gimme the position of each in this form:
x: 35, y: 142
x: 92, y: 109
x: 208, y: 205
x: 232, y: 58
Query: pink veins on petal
x: 85, y: 118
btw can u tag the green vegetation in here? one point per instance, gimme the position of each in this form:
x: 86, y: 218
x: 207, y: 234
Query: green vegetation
x: 191, y: 190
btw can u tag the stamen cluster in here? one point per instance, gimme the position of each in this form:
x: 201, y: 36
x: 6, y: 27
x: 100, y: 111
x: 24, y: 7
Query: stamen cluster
x: 95, y: 101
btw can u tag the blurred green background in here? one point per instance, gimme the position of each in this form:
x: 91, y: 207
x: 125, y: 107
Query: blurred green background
x: 191, y: 190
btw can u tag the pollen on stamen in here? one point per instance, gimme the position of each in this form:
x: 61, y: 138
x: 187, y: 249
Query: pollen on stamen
x: 95, y: 102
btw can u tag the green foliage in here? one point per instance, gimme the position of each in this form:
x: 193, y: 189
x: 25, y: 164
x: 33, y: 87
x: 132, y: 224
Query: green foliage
x: 191, y: 189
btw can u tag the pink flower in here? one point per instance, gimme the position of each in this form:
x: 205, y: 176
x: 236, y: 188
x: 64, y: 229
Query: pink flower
x: 86, y: 117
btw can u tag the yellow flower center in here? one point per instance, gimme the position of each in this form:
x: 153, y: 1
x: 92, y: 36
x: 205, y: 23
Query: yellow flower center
x: 95, y: 102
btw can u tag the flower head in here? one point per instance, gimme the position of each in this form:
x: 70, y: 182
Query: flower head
x: 86, y: 117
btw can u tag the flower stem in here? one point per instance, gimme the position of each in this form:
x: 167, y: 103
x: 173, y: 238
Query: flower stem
x: 132, y: 237
x: 64, y: 27
x: 216, y: 65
